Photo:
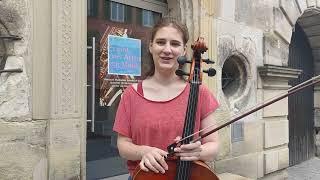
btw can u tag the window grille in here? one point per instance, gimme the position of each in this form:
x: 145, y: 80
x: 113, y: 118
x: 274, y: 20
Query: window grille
x: 117, y: 12
x: 147, y: 18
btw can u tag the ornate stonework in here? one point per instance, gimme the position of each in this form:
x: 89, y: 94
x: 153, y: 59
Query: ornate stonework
x: 65, y: 62
x: 67, y: 124
x: 65, y: 56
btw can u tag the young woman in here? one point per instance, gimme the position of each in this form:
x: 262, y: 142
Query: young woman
x: 151, y: 114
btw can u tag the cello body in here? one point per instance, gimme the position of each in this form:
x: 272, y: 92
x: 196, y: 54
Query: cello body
x: 199, y: 171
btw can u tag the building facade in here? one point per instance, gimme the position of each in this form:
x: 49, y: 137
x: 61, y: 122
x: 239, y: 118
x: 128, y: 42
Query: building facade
x: 57, y: 102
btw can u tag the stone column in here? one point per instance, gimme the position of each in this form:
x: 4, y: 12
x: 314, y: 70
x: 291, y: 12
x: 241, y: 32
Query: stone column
x: 274, y: 81
x: 67, y: 124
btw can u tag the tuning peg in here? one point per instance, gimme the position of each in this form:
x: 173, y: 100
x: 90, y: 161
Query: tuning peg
x: 208, y: 61
x: 180, y: 72
x: 211, y: 72
x: 182, y: 60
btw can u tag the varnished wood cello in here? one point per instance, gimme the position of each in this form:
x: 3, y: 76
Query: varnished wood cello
x: 198, y: 170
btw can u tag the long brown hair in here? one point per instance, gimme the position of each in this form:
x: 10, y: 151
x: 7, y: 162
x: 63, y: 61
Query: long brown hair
x: 164, y: 22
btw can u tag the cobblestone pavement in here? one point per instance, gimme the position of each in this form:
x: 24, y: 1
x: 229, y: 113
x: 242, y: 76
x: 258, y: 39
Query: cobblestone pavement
x: 308, y: 170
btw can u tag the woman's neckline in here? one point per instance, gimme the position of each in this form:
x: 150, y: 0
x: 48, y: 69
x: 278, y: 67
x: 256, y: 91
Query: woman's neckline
x: 161, y: 101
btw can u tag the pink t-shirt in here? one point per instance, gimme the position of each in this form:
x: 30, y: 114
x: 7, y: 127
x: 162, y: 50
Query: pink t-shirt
x: 155, y: 123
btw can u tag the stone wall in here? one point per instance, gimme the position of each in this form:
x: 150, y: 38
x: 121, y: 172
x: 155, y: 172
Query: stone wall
x: 261, y: 32
x: 22, y: 139
x: 42, y: 109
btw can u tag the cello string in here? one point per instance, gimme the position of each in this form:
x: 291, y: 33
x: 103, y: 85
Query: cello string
x: 185, y: 165
x: 189, y: 114
x: 251, y: 108
x: 194, y: 99
x: 181, y: 166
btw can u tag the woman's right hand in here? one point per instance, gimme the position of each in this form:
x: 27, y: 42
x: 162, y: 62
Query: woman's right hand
x: 154, y: 160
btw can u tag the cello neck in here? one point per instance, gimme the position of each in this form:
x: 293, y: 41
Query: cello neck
x: 184, y: 167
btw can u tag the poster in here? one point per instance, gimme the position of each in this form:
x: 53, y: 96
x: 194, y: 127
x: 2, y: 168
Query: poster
x: 111, y: 85
x: 124, y: 56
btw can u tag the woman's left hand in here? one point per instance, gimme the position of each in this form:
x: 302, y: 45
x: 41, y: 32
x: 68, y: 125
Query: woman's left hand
x: 188, y: 152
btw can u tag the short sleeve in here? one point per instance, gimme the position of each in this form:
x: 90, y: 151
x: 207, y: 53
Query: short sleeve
x: 122, y: 120
x: 208, y: 102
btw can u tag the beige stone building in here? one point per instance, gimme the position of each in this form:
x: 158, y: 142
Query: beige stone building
x: 57, y: 105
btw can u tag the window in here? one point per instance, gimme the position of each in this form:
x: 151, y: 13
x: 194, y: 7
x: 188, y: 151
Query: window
x: 234, y: 76
x: 92, y: 9
x: 147, y: 18
x: 117, y: 12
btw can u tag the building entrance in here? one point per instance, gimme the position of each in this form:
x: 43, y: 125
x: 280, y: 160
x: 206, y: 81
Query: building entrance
x: 132, y: 19
x: 301, y: 104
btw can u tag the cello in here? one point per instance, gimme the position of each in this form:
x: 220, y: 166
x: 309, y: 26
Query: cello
x: 177, y: 169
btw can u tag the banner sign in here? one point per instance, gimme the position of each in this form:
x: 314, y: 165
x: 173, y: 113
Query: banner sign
x: 124, y: 56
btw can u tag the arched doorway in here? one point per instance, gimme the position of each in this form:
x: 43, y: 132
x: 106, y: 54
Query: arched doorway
x: 301, y: 104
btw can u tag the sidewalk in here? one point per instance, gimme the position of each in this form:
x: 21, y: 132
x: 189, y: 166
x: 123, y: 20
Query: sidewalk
x: 308, y: 170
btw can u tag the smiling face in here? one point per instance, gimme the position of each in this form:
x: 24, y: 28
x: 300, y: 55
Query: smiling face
x: 166, y: 46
